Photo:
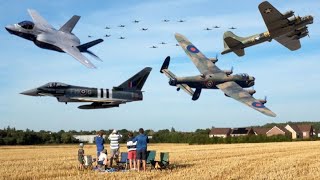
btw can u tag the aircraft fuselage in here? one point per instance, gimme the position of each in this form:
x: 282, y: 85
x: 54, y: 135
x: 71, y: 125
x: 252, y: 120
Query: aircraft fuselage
x: 211, y: 81
x: 68, y: 93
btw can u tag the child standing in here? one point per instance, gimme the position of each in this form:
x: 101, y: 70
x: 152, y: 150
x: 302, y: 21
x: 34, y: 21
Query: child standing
x: 81, y: 156
x: 131, y: 151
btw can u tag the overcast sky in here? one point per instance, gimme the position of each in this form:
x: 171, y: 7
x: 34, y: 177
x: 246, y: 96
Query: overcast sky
x: 289, y: 79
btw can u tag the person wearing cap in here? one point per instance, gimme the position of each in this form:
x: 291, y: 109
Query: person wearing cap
x: 99, y: 142
x: 103, y: 159
x: 81, y: 156
x: 114, y: 138
x: 142, y: 141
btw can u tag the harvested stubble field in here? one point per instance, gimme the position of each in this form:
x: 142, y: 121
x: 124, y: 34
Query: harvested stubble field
x: 289, y: 160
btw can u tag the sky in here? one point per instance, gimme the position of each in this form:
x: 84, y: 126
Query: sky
x: 290, y: 79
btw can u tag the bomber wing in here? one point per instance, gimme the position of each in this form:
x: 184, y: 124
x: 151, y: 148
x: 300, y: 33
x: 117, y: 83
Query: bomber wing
x: 292, y: 44
x: 38, y: 20
x: 74, y: 52
x: 204, y: 65
x: 236, y: 92
x: 272, y: 17
x: 275, y: 20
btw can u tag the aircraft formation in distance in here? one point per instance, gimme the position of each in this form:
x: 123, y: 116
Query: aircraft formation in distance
x: 47, y: 37
x: 128, y: 91
x: 285, y: 28
x: 211, y: 77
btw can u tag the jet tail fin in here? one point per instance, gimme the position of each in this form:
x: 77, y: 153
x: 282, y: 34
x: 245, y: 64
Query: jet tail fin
x: 233, y: 43
x: 86, y: 46
x: 137, y: 81
x: 69, y: 25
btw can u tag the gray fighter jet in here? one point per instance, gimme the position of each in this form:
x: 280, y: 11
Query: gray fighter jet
x: 45, y: 36
x: 128, y: 91
x: 285, y: 28
x: 212, y: 77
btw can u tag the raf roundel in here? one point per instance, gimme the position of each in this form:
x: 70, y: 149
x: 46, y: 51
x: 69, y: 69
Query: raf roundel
x: 192, y: 48
x: 258, y: 105
x: 83, y: 92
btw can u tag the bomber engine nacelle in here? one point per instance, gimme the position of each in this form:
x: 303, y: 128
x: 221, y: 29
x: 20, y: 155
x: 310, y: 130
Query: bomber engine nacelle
x: 288, y: 14
x: 213, y: 60
x: 251, y: 91
x: 173, y: 82
x: 297, y: 34
x: 228, y: 72
x: 263, y: 101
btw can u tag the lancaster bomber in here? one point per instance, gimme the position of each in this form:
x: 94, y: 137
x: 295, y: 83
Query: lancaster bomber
x: 45, y: 36
x: 128, y: 91
x: 212, y: 77
x: 286, y: 28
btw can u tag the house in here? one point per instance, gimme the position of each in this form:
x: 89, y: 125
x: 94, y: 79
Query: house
x: 220, y: 132
x: 241, y: 132
x: 86, y: 138
x: 278, y: 130
x: 260, y: 130
x: 304, y: 131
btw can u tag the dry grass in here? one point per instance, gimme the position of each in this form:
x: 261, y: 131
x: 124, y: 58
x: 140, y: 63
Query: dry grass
x: 293, y: 160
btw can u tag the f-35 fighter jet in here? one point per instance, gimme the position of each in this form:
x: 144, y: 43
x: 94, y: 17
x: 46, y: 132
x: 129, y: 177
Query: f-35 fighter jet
x: 128, y: 91
x: 212, y: 77
x: 286, y: 28
x: 45, y: 36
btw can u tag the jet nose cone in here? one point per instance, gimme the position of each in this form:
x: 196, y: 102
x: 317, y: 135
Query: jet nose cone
x: 9, y: 28
x: 31, y: 92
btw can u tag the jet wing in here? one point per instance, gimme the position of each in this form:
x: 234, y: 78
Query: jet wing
x: 236, y: 92
x: 101, y: 100
x: 38, y: 20
x: 184, y: 87
x: 204, y: 65
x: 292, y: 44
x: 74, y: 52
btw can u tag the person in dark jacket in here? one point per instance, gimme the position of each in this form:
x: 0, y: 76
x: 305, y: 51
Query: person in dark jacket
x: 142, y: 141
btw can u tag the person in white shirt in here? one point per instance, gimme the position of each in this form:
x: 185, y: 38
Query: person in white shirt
x: 103, y: 159
x: 132, y: 153
x: 114, y: 138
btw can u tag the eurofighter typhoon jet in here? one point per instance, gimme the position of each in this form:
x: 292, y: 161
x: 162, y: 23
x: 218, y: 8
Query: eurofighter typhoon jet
x: 128, y: 91
x: 286, y: 28
x: 212, y: 77
x: 45, y: 36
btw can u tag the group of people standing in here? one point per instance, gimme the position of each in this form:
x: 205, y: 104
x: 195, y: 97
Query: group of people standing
x: 136, y: 147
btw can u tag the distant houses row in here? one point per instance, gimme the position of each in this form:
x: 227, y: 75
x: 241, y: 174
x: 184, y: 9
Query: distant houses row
x: 303, y: 131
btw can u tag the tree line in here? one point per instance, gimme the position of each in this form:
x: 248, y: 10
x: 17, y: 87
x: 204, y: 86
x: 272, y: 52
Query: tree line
x: 11, y: 136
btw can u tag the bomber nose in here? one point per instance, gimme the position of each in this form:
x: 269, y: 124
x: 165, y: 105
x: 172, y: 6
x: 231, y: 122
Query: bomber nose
x: 31, y: 92
x: 251, y: 78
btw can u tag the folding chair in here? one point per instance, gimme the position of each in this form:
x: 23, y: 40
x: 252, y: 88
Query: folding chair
x: 123, y: 160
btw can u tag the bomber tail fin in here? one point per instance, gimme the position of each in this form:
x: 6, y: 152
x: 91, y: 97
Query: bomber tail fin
x: 86, y: 46
x: 69, y: 25
x: 137, y: 81
x: 233, y: 43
